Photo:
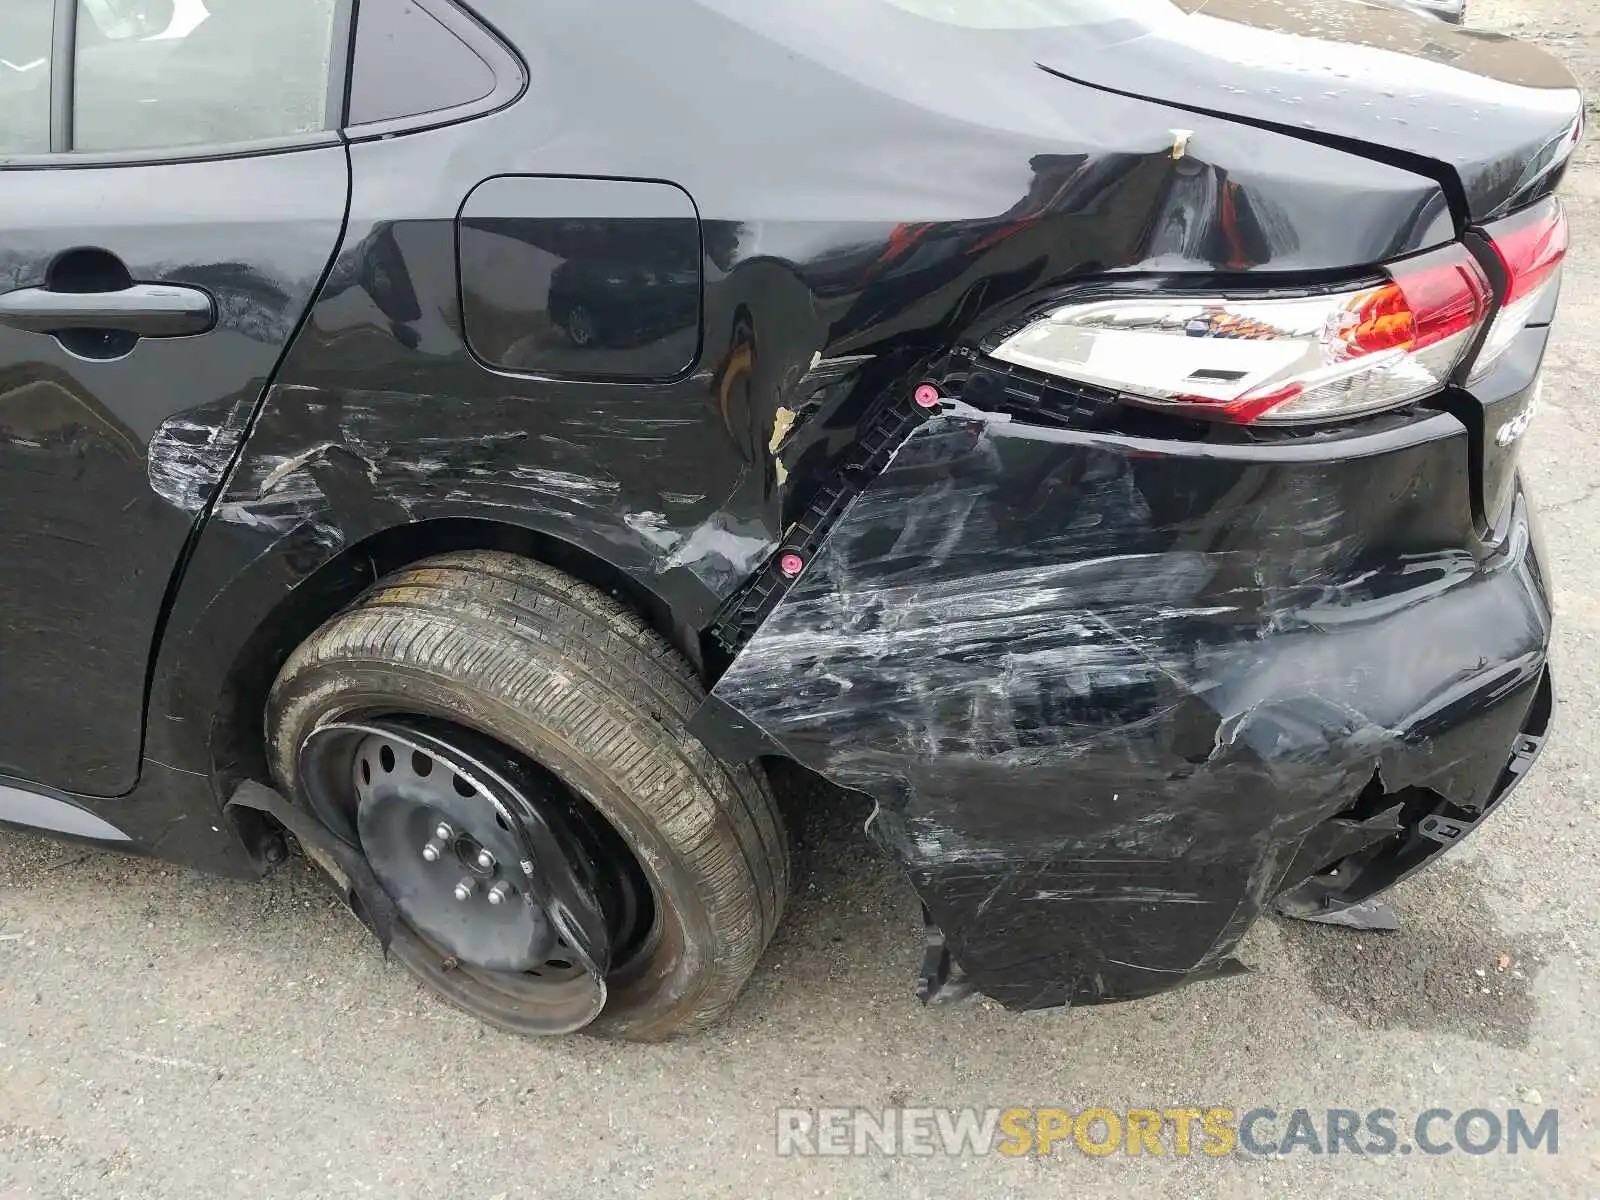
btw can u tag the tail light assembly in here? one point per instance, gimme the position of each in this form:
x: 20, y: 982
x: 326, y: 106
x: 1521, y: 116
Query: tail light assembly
x: 1531, y: 248
x: 1313, y: 357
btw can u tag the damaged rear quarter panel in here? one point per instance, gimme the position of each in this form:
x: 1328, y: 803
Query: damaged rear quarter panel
x: 831, y: 268
x: 1103, y: 689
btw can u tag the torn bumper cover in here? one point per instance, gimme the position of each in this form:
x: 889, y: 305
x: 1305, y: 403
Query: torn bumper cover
x: 1115, y: 697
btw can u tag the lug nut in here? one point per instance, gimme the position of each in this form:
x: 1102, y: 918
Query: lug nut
x: 500, y: 893
x: 444, y: 833
x: 485, y: 861
x: 432, y: 852
x: 464, y: 889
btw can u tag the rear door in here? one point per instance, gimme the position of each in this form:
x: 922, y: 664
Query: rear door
x: 171, y: 191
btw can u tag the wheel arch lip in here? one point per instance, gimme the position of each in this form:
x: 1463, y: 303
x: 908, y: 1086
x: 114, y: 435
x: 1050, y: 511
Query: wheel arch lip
x: 232, y: 631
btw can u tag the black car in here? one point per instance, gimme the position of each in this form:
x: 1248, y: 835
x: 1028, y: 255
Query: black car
x: 1087, y: 429
x: 616, y: 304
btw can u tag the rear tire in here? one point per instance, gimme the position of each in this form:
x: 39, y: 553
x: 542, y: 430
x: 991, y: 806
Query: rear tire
x: 560, y: 673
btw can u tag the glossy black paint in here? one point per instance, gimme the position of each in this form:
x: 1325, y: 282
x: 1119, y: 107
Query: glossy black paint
x: 110, y: 450
x: 581, y: 278
x: 1497, y: 116
x: 1071, y: 666
x: 1162, y: 667
x: 381, y: 417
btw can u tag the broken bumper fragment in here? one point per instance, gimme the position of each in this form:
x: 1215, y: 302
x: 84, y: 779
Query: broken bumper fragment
x: 1116, y: 697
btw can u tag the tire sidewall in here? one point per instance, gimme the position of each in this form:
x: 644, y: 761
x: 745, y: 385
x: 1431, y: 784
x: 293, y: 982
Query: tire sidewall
x: 663, y: 983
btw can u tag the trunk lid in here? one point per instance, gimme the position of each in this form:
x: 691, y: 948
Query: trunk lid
x: 1493, y: 118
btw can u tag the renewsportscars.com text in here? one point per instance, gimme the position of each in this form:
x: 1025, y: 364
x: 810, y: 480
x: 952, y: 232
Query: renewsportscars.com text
x: 1213, y: 1132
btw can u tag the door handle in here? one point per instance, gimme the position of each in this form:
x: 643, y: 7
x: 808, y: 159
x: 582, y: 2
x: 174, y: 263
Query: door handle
x: 153, y: 310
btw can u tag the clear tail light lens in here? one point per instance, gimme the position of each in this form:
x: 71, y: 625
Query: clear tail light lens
x: 1289, y: 360
x: 1531, y: 247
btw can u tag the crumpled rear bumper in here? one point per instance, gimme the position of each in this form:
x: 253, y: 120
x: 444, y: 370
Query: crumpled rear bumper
x: 1115, y: 697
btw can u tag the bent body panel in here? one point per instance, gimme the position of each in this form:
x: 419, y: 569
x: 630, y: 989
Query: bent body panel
x: 1110, y: 693
x: 816, y: 301
x: 1104, y: 690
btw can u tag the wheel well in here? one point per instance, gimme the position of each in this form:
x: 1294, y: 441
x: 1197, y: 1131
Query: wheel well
x: 238, y: 743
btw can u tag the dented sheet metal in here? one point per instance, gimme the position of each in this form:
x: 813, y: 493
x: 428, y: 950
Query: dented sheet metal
x: 1105, y: 691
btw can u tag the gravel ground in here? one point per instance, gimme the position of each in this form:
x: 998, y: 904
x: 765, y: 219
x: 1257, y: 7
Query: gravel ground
x: 167, y: 1034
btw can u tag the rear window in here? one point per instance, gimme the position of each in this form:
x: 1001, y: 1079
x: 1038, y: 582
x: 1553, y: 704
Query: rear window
x: 199, y: 72
x: 25, y: 76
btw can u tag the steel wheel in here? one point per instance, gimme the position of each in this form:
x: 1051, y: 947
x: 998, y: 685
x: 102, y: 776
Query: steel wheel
x: 514, y: 896
x: 568, y: 717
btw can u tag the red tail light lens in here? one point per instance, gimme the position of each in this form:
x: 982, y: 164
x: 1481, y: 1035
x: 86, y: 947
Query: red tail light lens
x: 1447, y: 298
x: 1288, y: 360
x: 1532, y: 247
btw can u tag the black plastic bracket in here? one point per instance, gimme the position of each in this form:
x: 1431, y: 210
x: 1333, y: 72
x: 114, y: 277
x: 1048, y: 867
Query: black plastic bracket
x: 345, y: 866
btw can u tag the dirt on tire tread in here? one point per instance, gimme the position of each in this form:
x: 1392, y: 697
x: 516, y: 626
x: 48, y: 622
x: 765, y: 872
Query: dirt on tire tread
x: 517, y: 634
